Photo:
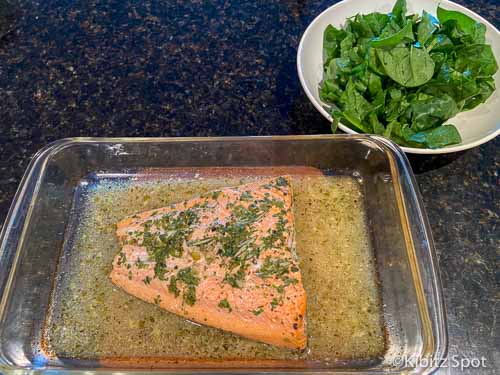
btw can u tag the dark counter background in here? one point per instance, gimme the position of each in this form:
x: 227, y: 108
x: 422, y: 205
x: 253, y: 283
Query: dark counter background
x: 203, y: 68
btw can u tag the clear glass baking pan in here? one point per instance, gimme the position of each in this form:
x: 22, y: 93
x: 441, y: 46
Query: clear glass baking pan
x: 34, y: 233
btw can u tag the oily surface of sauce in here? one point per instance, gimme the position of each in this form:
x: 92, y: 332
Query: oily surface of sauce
x: 91, y: 318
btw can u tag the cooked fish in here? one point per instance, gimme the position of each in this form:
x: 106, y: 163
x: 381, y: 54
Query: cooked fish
x: 225, y: 259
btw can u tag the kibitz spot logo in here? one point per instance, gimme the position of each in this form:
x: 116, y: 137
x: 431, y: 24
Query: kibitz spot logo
x: 453, y: 361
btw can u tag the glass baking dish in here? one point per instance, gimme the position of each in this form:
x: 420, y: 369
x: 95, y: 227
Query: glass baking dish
x: 34, y: 233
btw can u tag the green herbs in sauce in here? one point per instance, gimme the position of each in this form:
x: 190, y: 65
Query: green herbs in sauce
x: 91, y: 318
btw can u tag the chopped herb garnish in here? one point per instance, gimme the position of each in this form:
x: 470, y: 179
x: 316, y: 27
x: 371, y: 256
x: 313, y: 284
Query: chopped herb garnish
x: 140, y: 264
x: 247, y: 215
x: 266, y: 204
x: 147, y: 280
x: 122, y: 259
x: 231, y: 236
x: 279, y: 288
x: 281, y: 181
x: 186, y: 276
x: 276, y: 234
x: 215, y: 194
x: 190, y: 295
x: 274, y: 303
x: 273, y: 267
x: 172, y: 286
x: 160, y: 269
x: 246, y: 196
x: 201, y: 242
x: 175, y: 227
x: 235, y: 279
x: 258, y: 311
x: 224, y: 304
x: 289, y: 280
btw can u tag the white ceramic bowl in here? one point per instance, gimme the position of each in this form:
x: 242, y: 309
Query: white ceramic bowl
x: 476, y: 126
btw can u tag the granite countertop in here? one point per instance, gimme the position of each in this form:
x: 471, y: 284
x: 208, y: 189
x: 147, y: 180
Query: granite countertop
x: 200, y: 68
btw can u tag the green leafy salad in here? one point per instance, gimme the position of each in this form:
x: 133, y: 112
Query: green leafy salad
x: 403, y: 76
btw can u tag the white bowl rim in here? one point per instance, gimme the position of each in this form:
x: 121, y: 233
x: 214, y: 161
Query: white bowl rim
x: 411, y: 150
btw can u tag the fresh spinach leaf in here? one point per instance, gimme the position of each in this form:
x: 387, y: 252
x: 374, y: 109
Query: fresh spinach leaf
x: 355, y: 55
x: 376, y: 21
x: 439, y: 59
x: 363, y: 44
x: 336, y: 116
x: 399, y: 12
x: 374, y: 62
x: 374, y: 83
x: 353, y: 120
x: 441, y: 136
x: 479, y: 34
x: 370, y: 25
x: 338, y: 70
x: 408, y: 66
x: 346, y: 45
x: 378, y: 102
x: 330, y: 92
x: 461, y: 86
x: 340, y: 66
x: 463, y: 22
x: 395, y: 94
x: 485, y: 89
x: 461, y: 27
x: 426, y: 28
x: 403, y: 132
x: 429, y: 112
x: 396, y: 106
x: 390, y: 126
x: 440, y: 43
x: 360, y: 27
x: 331, y: 43
x: 353, y: 102
x: 403, y: 35
x: 392, y: 27
x: 478, y: 59
x: 376, y: 125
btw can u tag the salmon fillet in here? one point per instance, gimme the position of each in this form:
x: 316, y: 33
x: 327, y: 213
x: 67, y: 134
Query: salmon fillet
x: 225, y: 259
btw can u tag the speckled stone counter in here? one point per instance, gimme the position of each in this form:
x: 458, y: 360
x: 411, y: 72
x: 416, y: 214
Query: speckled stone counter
x: 199, y: 68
